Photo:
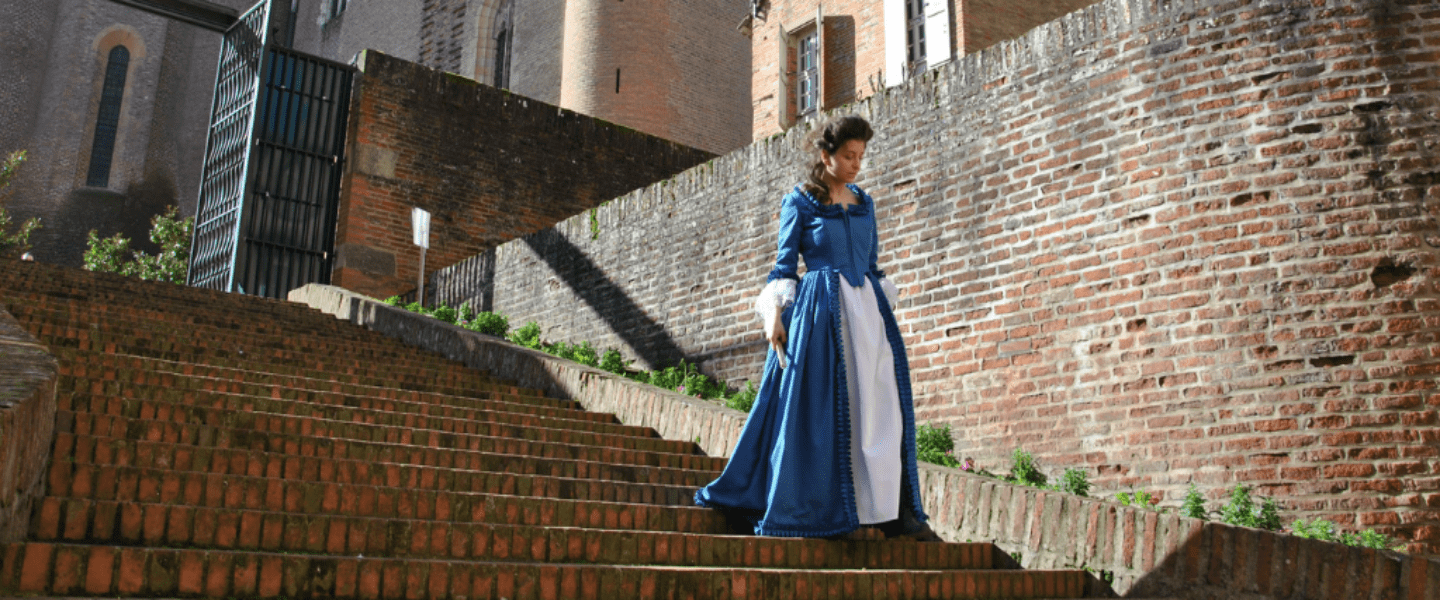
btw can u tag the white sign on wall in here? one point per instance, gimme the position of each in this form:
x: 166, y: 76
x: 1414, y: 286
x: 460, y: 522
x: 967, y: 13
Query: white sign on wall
x: 420, y: 223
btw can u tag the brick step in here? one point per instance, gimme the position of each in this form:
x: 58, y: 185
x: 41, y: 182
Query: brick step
x: 131, y: 371
x: 107, y: 480
x: 386, y: 451
x: 71, y: 569
x: 294, y: 319
x: 158, y: 525
x: 209, y: 346
x: 545, y: 501
x: 187, y: 394
x: 368, y: 381
x: 246, y: 413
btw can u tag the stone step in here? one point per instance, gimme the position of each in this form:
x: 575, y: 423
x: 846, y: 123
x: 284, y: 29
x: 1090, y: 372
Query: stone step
x: 244, y: 413
x: 72, y: 569
x: 189, y: 396
x: 109, y: 481
x: 363, y: 449
x: 549, y: 501
x: 376, y: 382
x: 159, y: 525
x: 182, y: 388
x: 400, y: 463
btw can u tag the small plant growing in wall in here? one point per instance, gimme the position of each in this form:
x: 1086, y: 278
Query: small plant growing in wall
x: 1193, y: 505
x: 1137, y: 499
x: 1075, y: 481
x: 1241, y: 510
x: 1026, y: 470
x: 933, y: 444
x: 12, y: 245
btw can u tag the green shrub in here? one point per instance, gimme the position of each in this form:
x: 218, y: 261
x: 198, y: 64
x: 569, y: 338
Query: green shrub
x: 168, y: 231
x: 394, y: 301
x: 934, y: 445
x: 1075, y: 481
x: 1137, y: 499
x: 1242, y: 511
x: 1026, y: 471
x: 613, y: 362
x: 585, y: 354
x: 446, y: 313
x: 12, y: 245
x: 668, y: 378
x: 1193, y: 505
x: 743, y: 400
x: 1320, y: 529
x: 490, y: 323
x: 527, y: 336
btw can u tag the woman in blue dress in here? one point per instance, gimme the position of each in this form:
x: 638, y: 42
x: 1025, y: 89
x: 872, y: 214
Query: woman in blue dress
x: 829, y: 446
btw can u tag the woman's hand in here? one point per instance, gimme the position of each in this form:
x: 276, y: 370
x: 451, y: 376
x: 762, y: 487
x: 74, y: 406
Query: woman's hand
x: 778, y: 338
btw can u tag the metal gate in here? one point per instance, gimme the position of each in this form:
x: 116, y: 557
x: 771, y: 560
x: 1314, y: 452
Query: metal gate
x: 270, y: 188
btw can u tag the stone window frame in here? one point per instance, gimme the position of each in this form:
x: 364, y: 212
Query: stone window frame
x: 503, y: 36
x: 917, y: 38
x: 107, y: 118
x: 104, y: 42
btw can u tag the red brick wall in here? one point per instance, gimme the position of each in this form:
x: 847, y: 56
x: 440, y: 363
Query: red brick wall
x: 489, y: 166
x: 1171, y: 242
x: 27, y: 423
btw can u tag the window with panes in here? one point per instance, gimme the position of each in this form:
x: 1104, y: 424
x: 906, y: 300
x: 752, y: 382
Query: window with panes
x: 807, y: 76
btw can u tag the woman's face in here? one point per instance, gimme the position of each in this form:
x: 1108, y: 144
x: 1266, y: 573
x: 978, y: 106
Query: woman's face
x: 844, y: 165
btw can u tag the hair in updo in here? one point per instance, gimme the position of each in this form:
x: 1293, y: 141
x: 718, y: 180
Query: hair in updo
x: 828, y: 139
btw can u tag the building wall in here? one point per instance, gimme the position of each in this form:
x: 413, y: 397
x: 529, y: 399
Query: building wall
x: 60, y: 52
x: 854, y: 46
x: 488, y: 165
x: 1171, y: 242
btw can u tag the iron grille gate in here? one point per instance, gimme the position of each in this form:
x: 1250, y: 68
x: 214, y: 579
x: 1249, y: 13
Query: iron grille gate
x: 270, y: 188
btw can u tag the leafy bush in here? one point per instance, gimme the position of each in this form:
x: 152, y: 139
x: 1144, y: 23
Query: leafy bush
x: 669, y: 378
x: 527, y: 336
x: 394, y: 301
x: 1075, y: 481
x: 171, y: 264
x: 743, y: 400
x: 1242, y: 511
x: 613, y: 362
x: 934, y: 445
x: 1026, y: 470
x: 1320, y: 529
x: 1137, y: 499
x: 1193, y: 505
x: 585, y: 354
x: 446, y: 313
x: 490, y: 323
x: 12, y: 245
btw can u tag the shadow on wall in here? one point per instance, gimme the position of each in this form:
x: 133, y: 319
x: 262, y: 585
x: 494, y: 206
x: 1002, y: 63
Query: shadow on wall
x: 61, y: 239
x: 648, y: 339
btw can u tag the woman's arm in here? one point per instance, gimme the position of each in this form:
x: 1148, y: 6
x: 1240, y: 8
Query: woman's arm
x: 780, y: 285
x: 891, y: 292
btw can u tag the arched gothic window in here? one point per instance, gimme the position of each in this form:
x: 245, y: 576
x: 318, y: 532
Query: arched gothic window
x: 107, y: 119
x: 504, y: 40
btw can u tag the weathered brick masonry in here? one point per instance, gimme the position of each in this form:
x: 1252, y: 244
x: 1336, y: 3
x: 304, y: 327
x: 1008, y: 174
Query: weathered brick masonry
x: 1172, y: 242
x: 489, y: 166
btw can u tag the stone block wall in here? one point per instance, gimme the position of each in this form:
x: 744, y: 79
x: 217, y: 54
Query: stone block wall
x: 27, y: 425
x: 1170, y: 242
x: 489, y: 166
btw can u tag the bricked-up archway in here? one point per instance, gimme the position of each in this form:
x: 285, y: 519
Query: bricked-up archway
x: 1173, y: 242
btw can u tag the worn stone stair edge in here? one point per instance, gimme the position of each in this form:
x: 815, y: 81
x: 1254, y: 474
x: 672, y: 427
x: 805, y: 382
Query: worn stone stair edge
x: 675, y: 416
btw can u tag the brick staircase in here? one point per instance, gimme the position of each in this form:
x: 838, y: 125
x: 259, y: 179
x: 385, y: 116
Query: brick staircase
x: 217, y: 445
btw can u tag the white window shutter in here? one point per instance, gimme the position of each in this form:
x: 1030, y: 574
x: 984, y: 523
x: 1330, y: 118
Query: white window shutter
x: 819, y: 58
x: 894, y: 42
x: 782, y: 91
x: 937, y: 33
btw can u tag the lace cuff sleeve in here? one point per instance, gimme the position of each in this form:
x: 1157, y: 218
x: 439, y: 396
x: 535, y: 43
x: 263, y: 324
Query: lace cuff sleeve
x: 772, y: 300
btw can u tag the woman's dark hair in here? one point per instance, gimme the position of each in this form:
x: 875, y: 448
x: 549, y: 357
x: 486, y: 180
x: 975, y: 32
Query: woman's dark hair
x: 828, y: 139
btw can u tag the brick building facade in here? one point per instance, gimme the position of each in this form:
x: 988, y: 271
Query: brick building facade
x: 54, y: 97
x: 1172, y: 242
x: 676, y: 69
x: 863, y: 47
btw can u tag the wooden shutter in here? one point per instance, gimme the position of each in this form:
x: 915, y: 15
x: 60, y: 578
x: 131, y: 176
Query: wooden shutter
x: 894, y: 42
x: 937, y: 33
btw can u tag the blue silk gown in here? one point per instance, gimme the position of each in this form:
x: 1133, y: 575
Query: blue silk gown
x: 790, y: 474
